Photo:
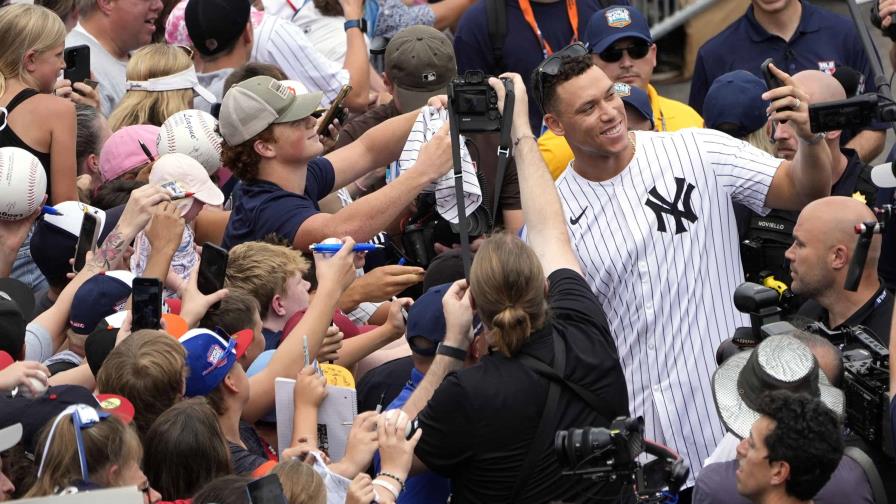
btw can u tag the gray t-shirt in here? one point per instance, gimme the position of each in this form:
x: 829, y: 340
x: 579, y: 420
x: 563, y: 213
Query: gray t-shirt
x: 38, y: 343
x: 214, y: 82
x: 108, y: 70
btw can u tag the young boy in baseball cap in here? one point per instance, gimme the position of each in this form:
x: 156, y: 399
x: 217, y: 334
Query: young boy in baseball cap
x: 271, y: 144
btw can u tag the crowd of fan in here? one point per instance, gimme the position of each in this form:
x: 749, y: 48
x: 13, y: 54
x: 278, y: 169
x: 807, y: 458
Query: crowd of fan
x: 600, y: 289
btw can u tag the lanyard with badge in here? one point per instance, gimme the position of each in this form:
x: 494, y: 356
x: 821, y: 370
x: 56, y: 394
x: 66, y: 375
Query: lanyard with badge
x: 572, y: 11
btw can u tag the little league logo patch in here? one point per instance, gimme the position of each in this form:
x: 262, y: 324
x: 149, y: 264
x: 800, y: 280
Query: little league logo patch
x: 622, y: 89
x: 214, y: 358
x: 828, y: 67
x: 618, y: 18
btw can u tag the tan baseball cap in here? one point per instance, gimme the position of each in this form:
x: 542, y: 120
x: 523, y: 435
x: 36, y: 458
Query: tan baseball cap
x: 254, y: 104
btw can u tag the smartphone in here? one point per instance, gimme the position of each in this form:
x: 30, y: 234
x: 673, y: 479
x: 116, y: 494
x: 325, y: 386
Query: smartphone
x: 266, y: 490
x: 212, y: 269
x: 335, y: 111
x: 772, y: 82
x: 146, y: 305
x: 77, y: 63
x: 90, y: 230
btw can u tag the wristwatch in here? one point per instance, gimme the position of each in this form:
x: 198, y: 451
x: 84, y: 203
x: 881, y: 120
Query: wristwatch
x: 450, y: 351
x: 360, y: 24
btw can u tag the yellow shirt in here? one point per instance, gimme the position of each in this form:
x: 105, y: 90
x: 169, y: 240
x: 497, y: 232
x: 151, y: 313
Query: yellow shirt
x: 668, y: 115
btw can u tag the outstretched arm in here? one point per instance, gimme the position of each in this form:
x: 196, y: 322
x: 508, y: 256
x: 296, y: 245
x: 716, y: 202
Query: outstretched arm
x: 542, y: 212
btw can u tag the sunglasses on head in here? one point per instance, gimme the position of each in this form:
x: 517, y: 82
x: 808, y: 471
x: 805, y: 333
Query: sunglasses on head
x: 635, y: 51
x: 551, y: 66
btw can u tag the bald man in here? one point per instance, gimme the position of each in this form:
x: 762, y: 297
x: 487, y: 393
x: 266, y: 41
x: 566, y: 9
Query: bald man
x: 824, y: 244
x: 766, y: 238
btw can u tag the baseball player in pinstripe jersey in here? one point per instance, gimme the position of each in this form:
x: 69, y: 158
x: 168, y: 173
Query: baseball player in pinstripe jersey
x: 651, y: 221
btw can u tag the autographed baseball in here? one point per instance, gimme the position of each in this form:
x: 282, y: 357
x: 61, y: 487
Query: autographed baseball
x: 194, y: 133
x: 23, y: 183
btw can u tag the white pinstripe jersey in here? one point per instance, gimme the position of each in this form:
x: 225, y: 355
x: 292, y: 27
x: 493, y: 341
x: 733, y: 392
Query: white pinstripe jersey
x: 658, y: 245
x: 279, y: 42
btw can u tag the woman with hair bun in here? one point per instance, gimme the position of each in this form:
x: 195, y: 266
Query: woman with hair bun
x: 490, y: 428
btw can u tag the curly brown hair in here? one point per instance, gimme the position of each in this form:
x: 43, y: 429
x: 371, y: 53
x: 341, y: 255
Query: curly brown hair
x: 242, y: 159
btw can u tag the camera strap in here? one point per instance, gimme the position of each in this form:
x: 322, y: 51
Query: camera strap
x: 503, y: 152
x: 554, y: 374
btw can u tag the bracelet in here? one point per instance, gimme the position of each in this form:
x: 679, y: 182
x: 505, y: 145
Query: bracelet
x: 817, y: 138
x: 388, y: 486
x: 517, y: 141
x: 390, y: 475
x: 450, y: 351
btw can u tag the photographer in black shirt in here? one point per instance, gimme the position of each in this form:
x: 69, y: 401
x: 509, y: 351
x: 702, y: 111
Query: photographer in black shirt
x: 482, y: 425
x: 823, y: 247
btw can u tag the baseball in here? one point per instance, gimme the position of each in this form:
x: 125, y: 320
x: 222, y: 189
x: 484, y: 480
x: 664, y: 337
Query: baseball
x: 39, y: 387
x: 23, y: 183
x: 194, y: 133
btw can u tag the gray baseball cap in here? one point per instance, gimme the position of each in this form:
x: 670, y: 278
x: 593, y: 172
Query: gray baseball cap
x: 254, y: 104
x: 420, y: 63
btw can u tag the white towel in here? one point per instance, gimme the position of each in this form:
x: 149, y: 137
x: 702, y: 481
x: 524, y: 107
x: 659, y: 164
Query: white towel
x: 427, y: 124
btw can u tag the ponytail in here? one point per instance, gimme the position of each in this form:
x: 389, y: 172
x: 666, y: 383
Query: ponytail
x: 507, y: 282
x: 511, y: 328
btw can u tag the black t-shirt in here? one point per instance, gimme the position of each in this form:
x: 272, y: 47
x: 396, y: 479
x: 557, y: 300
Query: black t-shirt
x: 479, y: 425
x: 876, y: 314
x: 382, y: 384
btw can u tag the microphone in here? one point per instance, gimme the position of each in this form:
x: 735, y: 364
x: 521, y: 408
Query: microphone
x: 884, y: 175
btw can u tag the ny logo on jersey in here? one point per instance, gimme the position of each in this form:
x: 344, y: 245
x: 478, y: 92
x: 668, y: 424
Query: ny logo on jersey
x: 679, y: 208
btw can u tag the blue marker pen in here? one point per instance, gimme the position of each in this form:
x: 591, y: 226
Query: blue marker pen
x: 47, y: 209
x: 402, y: 261
x: 332, y: 248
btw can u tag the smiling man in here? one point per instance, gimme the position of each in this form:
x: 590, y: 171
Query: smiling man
x: 651, y: 221
x: 621, y: 45
x: 112, y: 29
x: 791, y: 451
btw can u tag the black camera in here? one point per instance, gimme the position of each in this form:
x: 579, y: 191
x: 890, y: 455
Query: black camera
x: 612, y: 454
x: 426, y: 227
x: 474, y: 102
x: 866, y: 381
x: 852, y: 113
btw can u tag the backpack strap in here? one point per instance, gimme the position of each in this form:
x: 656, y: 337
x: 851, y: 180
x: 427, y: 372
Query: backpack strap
x: 496, y: 13
x: 877, y: 485
x: 544, y: 431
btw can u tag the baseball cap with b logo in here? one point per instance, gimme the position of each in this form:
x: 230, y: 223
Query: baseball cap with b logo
x: 254, y: 104
x: 420, y: 63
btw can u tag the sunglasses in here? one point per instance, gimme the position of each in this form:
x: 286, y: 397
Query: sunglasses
x: 551, y: 66
x: 635, y: 51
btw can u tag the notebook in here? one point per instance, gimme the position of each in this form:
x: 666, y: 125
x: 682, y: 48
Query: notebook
x: 334, y: 416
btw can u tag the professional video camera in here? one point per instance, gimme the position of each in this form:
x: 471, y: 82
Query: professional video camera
x: 612, y: 455
x: 866, y: 381
x: 866, y: 377
x: 473, y: 108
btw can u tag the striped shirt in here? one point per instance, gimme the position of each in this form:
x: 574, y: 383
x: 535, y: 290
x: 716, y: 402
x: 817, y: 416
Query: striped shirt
x: 279, y: 42
x: 658, y: 245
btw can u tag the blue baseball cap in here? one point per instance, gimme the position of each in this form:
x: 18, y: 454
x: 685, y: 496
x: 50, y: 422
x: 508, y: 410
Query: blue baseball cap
x: 210, y: 356
x: 735, y: 98
x: 613, y: 23
x: 637, y: 98
x: 97, y: 298
x: 427, y: 320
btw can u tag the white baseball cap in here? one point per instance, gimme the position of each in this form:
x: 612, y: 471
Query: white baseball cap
x: 190, y: 175
x: 72, y: 216
x: 884, y: 175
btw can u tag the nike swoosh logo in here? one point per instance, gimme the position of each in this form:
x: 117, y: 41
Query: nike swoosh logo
x: 577, y: 219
